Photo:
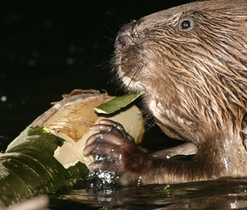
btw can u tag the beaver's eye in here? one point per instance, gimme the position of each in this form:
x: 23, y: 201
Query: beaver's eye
x: 186, y: 25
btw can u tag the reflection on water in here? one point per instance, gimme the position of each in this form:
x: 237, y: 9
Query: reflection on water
x: 224, y: 194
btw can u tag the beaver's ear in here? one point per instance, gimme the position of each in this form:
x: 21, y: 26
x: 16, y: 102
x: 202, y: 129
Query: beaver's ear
x: 185, y: 24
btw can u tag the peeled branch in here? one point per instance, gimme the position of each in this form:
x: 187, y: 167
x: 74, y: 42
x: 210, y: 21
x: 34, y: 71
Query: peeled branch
x: 49, y: 151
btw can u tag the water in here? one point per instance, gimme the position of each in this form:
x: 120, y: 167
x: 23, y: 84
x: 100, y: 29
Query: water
x: 224, y: 194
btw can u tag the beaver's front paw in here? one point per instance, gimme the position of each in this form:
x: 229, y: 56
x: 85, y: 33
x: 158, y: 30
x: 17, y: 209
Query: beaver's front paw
x: 117, y: 151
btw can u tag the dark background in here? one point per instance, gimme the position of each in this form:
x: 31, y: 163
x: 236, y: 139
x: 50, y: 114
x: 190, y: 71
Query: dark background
x: 50, y: 47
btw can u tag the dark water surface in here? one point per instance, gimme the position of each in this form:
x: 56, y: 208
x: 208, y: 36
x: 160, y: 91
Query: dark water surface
x: 48, y: 48
x: 224, y: 194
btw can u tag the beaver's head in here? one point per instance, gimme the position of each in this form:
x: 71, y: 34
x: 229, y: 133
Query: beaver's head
x: 191, y: 62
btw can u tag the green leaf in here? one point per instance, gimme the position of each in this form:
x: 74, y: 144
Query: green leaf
x: 117, y: 103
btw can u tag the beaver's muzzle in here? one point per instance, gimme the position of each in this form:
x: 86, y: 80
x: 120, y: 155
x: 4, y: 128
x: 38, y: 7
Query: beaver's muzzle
x: 122, y: 41
x: 125, y: 36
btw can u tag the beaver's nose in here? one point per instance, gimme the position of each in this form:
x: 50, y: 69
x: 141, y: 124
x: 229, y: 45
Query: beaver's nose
x: 124, y: 37
x: 122, y: 41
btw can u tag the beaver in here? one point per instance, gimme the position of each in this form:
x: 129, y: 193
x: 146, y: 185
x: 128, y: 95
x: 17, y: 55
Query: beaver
x: 191, y: 63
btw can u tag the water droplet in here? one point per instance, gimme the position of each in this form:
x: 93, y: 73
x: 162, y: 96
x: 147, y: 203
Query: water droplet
x: 31, y: 62
x: 4, y: 98
x: 100, y: 136
x: 70, y: 61
x: 99, y: 157
x: 139, y: 181
x: 72, y: 48
x: 120, y: 157
x: 101, y: 179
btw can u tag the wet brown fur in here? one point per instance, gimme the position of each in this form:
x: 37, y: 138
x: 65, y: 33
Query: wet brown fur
x: 195, y: 85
